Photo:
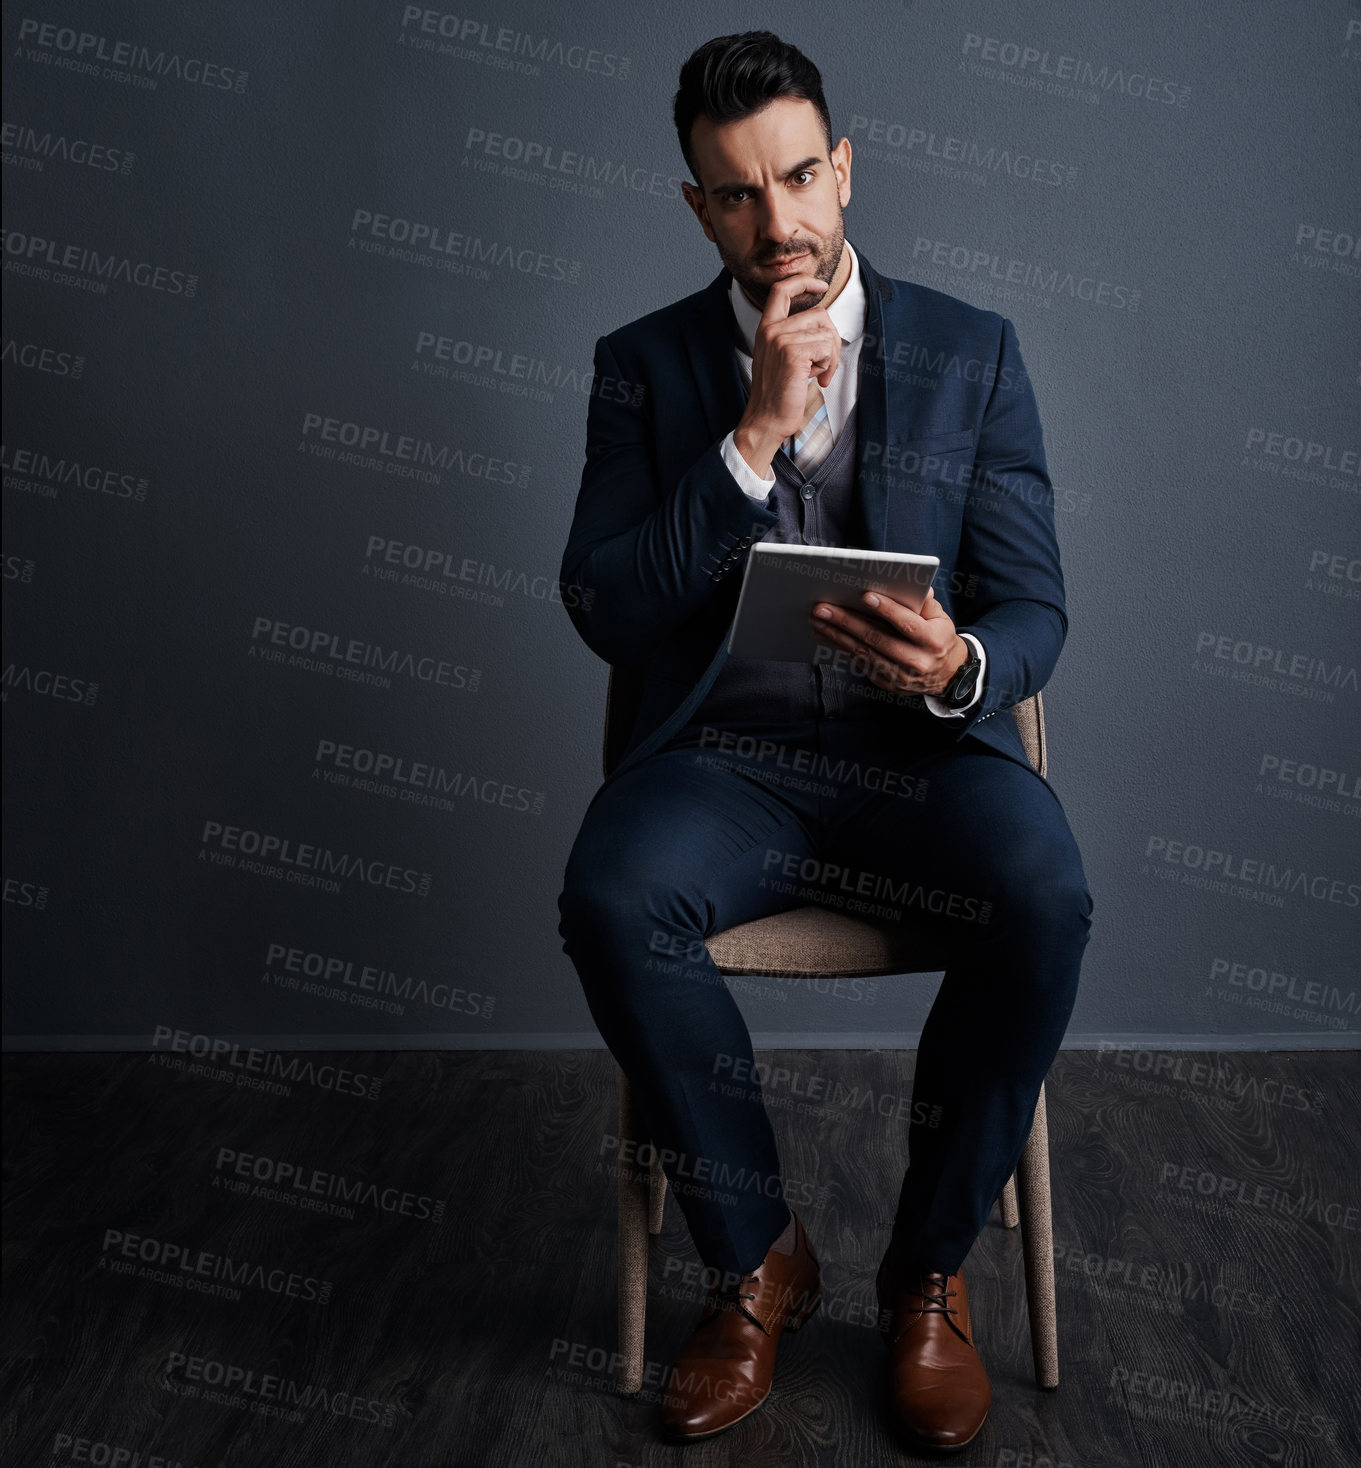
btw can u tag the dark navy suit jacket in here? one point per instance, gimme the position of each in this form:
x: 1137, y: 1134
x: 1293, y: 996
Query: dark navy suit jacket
x: 951, y: 463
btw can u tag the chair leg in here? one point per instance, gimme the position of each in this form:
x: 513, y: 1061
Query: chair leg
x: 656, y: 1181
x: 1010, y: 1213
x: 635, y: 1208
x: 1037, y: 1246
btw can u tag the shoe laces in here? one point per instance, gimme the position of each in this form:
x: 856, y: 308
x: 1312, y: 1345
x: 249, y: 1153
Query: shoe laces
x: 733, y: 1294
x: 935, y: 1302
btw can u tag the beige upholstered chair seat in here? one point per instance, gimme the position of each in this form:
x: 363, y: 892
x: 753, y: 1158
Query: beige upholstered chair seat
x: 811, y: 942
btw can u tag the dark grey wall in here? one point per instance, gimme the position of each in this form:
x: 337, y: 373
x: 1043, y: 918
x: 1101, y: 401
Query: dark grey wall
x: 214, y: 284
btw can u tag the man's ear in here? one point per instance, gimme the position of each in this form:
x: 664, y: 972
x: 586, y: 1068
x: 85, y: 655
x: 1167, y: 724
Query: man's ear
x: 694, y: 196
x: 841, y: 161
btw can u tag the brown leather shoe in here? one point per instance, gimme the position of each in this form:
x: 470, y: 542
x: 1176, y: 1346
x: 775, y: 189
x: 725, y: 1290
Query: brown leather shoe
x: 723, y: 1372
x: 939, y: 1393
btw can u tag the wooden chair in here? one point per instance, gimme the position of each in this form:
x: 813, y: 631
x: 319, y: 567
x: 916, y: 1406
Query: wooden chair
x: 816, y: 942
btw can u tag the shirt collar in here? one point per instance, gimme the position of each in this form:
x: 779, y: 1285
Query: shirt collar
x: 847, y: 311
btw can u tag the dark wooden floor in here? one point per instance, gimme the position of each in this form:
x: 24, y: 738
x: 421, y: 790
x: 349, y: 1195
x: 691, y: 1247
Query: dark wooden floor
x: 1207, y: 1228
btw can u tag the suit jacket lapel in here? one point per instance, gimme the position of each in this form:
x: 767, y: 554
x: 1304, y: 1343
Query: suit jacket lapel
x: 877, y: 408
x: 709, y: 347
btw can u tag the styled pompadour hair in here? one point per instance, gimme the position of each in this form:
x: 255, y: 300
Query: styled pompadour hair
x: 730, y: 77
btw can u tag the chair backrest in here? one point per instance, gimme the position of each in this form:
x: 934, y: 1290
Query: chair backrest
x: 1030, y: 725
x: 624, y: 693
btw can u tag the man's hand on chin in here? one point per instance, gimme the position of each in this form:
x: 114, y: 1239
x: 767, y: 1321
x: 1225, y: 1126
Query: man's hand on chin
x: 918, y: 652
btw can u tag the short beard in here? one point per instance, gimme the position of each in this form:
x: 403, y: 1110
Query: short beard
x: 825, y: 262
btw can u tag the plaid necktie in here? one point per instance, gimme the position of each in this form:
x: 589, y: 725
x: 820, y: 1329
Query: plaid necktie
x: 813, y: 442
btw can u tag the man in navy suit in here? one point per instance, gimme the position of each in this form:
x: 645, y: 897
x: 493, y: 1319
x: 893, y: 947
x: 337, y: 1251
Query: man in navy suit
x: 802, y: 396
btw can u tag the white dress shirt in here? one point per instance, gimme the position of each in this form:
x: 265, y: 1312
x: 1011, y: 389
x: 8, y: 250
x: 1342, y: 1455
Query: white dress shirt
x: 848, y: 316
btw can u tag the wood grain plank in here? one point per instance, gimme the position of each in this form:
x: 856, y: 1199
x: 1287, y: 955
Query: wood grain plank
x: 455, y: 1335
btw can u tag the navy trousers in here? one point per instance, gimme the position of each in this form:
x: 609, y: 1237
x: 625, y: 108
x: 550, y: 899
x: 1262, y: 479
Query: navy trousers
x: 893, y: 820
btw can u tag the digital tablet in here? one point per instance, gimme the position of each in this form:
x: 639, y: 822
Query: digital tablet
x: 782, y: 582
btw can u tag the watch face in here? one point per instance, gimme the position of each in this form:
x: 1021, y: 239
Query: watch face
x: 961, y: 687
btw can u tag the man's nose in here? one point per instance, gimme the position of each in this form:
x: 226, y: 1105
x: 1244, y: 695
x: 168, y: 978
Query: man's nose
x: 777, y: 224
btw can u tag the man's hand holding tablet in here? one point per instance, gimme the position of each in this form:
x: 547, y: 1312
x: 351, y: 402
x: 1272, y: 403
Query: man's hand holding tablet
x: 920, y: 654
x: 783, y: 584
